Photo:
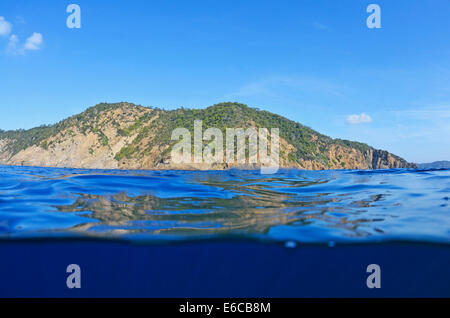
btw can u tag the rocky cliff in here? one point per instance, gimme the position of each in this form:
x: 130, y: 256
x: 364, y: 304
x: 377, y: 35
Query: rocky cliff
x: 128, y: 136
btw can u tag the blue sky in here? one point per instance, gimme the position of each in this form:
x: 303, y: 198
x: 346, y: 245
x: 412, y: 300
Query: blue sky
x: 315, y: 62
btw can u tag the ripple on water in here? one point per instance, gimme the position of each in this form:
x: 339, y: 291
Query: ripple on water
x: 292, y: 205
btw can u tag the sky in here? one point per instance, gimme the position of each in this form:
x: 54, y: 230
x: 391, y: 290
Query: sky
x: 315, y: 62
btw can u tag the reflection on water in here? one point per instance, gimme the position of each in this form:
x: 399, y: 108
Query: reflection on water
x: 306, y: 206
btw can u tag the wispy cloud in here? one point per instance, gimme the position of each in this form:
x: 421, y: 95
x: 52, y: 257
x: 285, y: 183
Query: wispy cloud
x: 19, y: 20
x: 13, y: 44
x: 432, y: 120
x: 251, y: 89
x: 319, y: 26
x: 363, y: 118
x: 434, y: 113
x: 274, y: 85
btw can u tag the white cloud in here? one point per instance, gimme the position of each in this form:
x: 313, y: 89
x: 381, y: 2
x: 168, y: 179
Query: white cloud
x: 34, y: 42
x: 359, y: 119
x: 5, y: 27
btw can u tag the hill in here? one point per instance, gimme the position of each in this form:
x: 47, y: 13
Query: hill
x: 128, y: 136
x: 444, y: 164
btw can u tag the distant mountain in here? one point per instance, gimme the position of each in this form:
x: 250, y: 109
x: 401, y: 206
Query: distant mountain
x: 444, y: 164
x: 128, y: 136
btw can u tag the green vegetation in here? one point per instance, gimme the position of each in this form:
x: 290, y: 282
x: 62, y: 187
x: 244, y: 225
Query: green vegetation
x: 86, y: 121
x: 352, y: 144
x: 310, y: 144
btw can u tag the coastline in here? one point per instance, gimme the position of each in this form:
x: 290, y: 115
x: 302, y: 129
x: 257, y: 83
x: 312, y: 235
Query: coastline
x: 204, y: 168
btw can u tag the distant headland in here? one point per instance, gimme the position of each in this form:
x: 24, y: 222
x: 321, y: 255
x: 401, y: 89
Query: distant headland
x: 443, y: 164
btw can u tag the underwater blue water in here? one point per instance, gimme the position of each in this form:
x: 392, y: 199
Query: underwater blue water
x: 290, y: 206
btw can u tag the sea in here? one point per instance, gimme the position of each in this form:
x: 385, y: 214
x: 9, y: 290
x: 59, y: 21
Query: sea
x: 232, y: 233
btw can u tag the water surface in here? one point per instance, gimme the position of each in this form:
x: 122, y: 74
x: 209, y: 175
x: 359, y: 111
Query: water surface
x: 291, y: 205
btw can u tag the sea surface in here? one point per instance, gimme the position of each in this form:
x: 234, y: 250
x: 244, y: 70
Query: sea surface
x: 226, y: 234
x: 293, y: 206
